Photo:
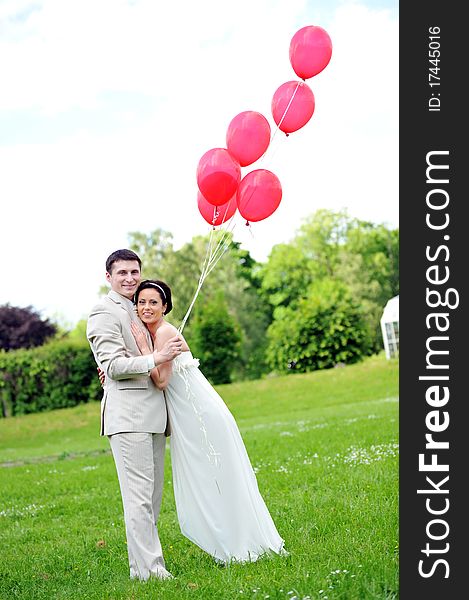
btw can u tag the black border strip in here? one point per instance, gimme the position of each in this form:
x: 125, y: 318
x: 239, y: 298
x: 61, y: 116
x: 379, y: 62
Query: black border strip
x: 433, y: 523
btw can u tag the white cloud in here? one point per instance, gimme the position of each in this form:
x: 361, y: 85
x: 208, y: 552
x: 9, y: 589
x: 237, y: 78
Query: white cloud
x: 68, y: 202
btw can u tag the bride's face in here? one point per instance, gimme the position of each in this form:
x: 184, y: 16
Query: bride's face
x: 150, y: 307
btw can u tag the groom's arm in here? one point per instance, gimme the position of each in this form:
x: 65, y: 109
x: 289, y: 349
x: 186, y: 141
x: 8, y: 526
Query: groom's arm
x: 105, y: 337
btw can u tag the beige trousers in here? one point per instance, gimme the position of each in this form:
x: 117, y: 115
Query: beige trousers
x: 139, y: 459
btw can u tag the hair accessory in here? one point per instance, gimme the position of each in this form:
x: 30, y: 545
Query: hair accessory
x: 157, y: 286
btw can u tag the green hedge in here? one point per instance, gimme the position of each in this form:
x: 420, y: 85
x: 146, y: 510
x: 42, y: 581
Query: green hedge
x: 57, y: 375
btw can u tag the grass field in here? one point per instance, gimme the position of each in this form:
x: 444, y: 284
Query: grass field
x: 325, y: 449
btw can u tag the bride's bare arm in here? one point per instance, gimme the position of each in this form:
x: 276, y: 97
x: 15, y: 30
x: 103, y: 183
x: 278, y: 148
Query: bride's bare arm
x: 158, y: 374
x: 163, y: 334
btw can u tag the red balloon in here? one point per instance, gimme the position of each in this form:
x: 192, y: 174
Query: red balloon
x: 259, y: 195
x: 292, y: 105
x: 310, y: 51
x: 216, y: 215
x: 218, y: 176
x: 248, y: 137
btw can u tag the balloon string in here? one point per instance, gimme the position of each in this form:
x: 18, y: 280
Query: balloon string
x: 221, y: 248
x: 222, y: 241
x: 278, y: 126
x: 285, y: 112
x: 226, y: 211
x: 216, y: 214
x: 274, y: 148
x: 207, y: 254
x: 201, y: 278
x: 212, y: 256
x: 209, y: 267
x: 186, y: 316
x: 221, y: 251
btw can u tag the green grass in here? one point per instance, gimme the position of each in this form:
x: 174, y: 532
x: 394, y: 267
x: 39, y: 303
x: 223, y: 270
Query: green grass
x: 325, y: 449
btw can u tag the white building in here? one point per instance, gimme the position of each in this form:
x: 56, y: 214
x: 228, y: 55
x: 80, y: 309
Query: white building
x: 390, y: 327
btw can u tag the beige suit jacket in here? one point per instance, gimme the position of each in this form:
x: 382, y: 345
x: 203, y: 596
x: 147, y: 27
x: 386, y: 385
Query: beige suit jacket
x: 131, y: 401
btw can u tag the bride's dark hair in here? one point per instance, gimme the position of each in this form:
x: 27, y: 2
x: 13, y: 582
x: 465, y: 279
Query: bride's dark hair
x: 161, y: 287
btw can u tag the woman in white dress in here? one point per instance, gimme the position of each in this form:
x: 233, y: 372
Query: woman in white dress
x: 218, y: 502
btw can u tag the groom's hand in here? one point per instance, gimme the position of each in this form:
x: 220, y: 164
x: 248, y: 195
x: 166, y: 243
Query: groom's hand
x: 170, y: 350
x: 102, y: 376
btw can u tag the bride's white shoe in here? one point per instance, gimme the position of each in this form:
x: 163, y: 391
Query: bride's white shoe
x: 162, y: 573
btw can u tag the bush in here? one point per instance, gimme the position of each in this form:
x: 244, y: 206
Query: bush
x: 317, y: 332
x: 57, y: 375
x: 23, y: 328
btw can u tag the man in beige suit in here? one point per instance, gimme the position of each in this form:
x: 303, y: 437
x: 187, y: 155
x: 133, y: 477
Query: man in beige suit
x: 133, y: 412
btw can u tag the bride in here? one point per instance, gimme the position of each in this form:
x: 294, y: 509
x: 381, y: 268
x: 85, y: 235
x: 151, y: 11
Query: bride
x: 218, y: 502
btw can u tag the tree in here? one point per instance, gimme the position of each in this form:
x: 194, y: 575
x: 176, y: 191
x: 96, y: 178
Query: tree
x: 23, y: 328
x: 320, y: 238
x: 321, y: 330
x: 286, y: 275
x: 78, y: 333
x: 379, y: 248
x: 369, y: 265
x: 362, y: 255
x: 365, y: 291
x: 152, y: 248
x: 216, y: 340
x: 312, y: 254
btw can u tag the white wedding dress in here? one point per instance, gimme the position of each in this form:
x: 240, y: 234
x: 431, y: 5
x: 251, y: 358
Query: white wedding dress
x: 218, y: 502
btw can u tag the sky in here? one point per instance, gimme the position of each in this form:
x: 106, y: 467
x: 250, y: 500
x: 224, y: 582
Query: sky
x: 106, y: 107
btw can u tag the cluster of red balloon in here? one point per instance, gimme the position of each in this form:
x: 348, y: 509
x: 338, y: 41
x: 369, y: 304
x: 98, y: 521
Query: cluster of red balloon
x: 257, y: 195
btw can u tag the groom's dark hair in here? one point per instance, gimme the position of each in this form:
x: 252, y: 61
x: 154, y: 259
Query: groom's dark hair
x: 123, y: 254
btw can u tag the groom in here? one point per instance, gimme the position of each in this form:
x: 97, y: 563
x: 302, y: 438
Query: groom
x: 133, y: 412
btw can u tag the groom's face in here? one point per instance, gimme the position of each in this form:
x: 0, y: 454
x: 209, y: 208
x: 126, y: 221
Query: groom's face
x: 124, y: 277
